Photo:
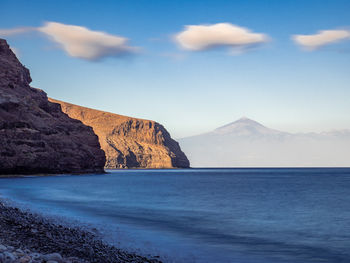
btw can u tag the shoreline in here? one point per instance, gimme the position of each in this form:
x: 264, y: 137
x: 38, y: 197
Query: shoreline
x: 9, y: 176
x: 105, y: 171
x: 29, y: 237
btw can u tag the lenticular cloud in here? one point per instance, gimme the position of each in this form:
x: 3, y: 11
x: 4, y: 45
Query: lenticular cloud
x: 204, y: 37
x: 322, y: 38
x: 16, y: 31
x: 78, y: 41
x: 83, y: 43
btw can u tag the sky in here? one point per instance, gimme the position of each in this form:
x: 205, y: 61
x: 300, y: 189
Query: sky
x: 191, y: 65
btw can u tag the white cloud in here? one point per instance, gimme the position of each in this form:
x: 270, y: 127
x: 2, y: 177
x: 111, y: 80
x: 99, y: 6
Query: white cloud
x: 78, y: 41
x: 84, y: 43
x: 322, y: 38
x: 15, y: 31
x: 204, y: 37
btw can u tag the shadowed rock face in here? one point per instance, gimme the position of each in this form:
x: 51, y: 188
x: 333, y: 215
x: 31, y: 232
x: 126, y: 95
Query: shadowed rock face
x: 35, y: 135
x: 130, y: 142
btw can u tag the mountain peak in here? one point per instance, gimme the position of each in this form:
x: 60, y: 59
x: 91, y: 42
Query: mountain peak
x: 246, y: 120
x: 244, y: 127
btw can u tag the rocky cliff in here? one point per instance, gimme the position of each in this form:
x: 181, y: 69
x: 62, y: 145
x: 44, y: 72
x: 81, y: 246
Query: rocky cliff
x: 35, y: 135
x: 130, y: 142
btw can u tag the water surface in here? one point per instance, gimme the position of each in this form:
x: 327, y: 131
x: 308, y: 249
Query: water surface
x: 205, y: 215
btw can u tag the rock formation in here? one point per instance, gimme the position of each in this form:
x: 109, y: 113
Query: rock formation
x: 129, y: 142
x: 35, y: 135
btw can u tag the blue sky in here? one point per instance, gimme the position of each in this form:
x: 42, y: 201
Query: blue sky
x: 277, y: 83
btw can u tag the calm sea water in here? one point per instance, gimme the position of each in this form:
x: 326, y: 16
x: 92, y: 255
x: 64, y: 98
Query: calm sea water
x: 205, y: 215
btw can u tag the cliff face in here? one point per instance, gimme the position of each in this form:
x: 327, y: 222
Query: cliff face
x: 35, y: 135
x: 130, y: 142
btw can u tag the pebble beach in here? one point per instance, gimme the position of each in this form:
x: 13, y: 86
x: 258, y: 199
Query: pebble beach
x: 26, y: 237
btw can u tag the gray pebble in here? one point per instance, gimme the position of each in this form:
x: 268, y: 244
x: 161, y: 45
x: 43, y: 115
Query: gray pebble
x: 35, y: 256
x: 2, y: 248
x: 8, y: 257
x: 18, y: 250
x: 10, y: 248
x: 25, y: 259
x: 53, y: 257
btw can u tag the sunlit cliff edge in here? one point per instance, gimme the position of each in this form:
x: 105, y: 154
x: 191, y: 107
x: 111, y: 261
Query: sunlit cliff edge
x: 129, y: 142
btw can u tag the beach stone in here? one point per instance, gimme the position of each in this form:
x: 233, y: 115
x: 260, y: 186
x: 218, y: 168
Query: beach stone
x: 53, y: 257
x: 10, y: 248
x: 36, y: 256
x: 19, y: 252
x: 51, y: 261
x: 2, y: 248
x: 25, y: 259
x: 8, y: 257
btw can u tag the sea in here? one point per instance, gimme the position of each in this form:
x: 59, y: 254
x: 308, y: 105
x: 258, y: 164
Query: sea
x: 242, y: 215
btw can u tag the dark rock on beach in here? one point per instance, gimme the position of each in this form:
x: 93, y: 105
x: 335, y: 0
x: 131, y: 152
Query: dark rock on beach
x: 35, y: 135
x: 27, y: 237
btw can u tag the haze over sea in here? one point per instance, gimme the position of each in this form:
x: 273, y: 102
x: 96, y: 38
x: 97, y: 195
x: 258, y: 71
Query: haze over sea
x: 205, y: 215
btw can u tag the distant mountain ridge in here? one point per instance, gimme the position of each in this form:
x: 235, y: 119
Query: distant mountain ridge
x: 248, y: 143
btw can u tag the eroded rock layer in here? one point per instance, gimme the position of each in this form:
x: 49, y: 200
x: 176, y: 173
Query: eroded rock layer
x: 130, y: 142
x: 35, y: 135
